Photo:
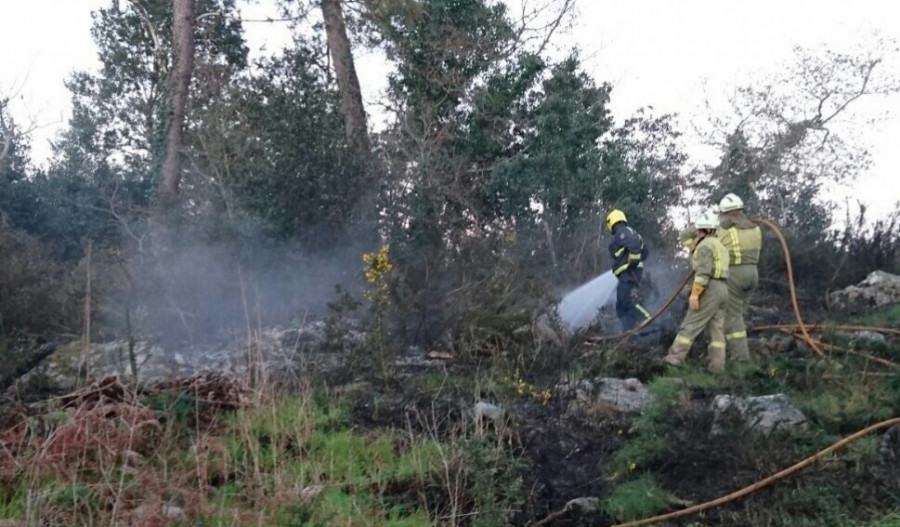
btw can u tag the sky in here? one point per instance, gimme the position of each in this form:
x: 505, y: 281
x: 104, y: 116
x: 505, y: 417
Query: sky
x: 673, y: 56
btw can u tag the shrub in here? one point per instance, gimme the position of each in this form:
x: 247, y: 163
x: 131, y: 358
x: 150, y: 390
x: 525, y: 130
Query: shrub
x: 636, y: 499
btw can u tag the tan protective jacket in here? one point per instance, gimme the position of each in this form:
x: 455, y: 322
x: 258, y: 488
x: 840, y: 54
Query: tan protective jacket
x: 742, y: 238
x: 709, y: 261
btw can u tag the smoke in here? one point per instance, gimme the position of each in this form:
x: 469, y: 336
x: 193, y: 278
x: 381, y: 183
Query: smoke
x: 189, y: 287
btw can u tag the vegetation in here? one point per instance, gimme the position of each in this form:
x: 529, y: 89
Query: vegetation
x: 194, y: 196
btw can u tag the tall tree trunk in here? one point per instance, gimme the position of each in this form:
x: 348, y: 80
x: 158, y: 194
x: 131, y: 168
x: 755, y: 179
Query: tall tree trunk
x: 180, y: 81
x: 7, y: 134
x: 348, y: 82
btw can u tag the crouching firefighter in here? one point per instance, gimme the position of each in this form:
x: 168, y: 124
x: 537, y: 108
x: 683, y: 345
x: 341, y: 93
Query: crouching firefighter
x: 743, y: 240
x: 628, y: 255
x: 709, y: 294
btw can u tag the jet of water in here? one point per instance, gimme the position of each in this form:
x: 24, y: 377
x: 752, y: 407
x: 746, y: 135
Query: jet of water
x: 580, y: 308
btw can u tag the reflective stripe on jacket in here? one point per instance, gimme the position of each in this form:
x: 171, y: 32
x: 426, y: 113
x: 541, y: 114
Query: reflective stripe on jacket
x: 627, y: 249
x: 743, y: 240
x: 709, y: 261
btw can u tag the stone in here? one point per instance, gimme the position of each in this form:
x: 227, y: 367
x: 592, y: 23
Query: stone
x: 277, y: 349
x: 889, y: 448
x: 583, y: 505
x: 867, y: 340
x: 487, y: 411
x: 173, y: 512
x: 439, y: 355
x: 354, y: 389
x: 311, y: 493
x: 783, y: 343
x: 544, y: 331
x: 763, y: 414
x: 877, y: 290
x: 620, y: 395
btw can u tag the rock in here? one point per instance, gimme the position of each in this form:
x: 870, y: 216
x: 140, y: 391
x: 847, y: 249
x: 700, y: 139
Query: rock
x: 878, y: 289
x: 173, y: 512
x: 487, y: 411
x: 439, y: 355
x: 889, y: 449
x: 544, y: 331
x: 867, y: 340
x: 279, y: 350
x: 619, y: 395
x: 354, y: 389
x: 309, y: 494
x: 583, y: 505
x: 782, y: 343
x: 763, y: 414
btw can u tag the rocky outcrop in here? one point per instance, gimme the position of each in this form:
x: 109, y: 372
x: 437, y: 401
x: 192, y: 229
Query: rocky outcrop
x: 278, y: 349
x: 763, y: 414
x: 878, y: 289
x: 608, y: 395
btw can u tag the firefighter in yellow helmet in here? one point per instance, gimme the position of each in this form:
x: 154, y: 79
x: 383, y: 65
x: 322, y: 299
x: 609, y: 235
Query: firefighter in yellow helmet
x: 743, y: 240
x: 709, y: 294
x: 628, y: 254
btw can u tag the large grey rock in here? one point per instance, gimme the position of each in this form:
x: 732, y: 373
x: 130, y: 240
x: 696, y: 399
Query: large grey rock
x: 878, y: 289
x: 619, y: 395
x: 763, y: 414
x: 276, y: 350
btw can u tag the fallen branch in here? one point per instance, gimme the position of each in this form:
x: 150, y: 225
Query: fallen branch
x: 795, y: 327
x: 832, y: 347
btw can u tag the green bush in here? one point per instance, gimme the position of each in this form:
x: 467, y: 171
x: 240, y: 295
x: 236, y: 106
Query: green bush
x: 636, y: 499
x: 652, y: 427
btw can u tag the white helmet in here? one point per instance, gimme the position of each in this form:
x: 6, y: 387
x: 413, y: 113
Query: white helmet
x: 731, y: 202
x: 708, y: 220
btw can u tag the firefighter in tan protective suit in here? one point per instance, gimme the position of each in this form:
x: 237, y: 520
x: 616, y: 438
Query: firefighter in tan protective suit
x: 743, y: 240
x: 709, y: 294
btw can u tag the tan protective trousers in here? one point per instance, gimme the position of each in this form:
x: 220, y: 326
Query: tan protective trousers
x: 711, y: 317
x: 742, y: 281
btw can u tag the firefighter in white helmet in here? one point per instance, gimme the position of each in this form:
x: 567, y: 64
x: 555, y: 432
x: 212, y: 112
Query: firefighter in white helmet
x: 706, y: 308
x: 743, y: 240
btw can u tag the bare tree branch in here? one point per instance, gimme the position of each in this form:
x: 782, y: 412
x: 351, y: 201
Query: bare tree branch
x: 157, y: 45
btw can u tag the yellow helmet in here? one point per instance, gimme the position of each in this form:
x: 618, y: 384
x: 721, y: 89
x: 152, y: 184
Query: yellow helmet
x: 615, y: 217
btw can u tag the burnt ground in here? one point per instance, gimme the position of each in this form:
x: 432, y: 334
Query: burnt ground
x: 565, y: 456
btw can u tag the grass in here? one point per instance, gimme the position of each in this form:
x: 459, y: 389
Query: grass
x: 885, y: 317
x: 850, y: 403
x: 636, y: 499
x: 292, y: 461
x: 651, y: 441
x: 12, y: 502
x: 297, y: 444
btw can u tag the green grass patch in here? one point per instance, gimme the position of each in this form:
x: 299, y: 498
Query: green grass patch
x: 12, y: 502
x: 297, y: 443
x: 852, y: 404
x: 885, y: 317
x: 636, y: 499
x: 653, y: 427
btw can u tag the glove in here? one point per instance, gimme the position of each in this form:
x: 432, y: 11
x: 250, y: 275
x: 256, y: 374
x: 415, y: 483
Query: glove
x: 694, y: 301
